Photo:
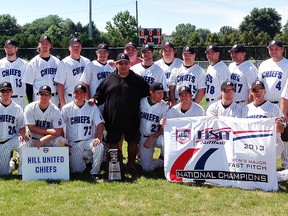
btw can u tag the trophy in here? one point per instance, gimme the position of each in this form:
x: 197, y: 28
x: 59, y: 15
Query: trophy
x: 115, y: 165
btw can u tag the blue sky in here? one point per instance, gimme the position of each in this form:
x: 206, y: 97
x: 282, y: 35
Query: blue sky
x: 165, y: 14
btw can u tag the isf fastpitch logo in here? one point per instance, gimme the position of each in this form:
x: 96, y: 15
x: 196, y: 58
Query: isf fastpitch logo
x: 183, y: 135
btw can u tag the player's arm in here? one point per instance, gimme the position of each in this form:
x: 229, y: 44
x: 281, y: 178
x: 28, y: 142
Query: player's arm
x: 200, y: 94
x: 44, y: 139
x: 60, y: 89
x: 172, y: 95
x: 280, y: 125
x: 43, y: 131
x: 22, y: 134
x: 29, y: 92
x: 284, y: 108
x: 99, y: 134
x: 151, y: 138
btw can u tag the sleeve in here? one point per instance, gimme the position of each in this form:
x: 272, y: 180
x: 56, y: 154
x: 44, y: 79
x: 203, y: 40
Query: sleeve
x: 57, y: 121
x: 97, y: 116
x: 99, y: 94
x: 28, y: 115
x: 29, y: 75
x: 251, y: 76
x: 86, y: 75
x: 211, y: 110
x: 61, y: 73
x: 202, y: 79
x: 20, y: 118
x: 172, y: 79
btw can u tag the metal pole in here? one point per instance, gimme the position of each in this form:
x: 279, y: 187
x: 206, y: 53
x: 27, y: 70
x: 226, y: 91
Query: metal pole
x: 137, y: 13
x: 90, y: 19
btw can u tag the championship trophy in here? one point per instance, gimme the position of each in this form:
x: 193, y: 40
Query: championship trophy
x: 115, y: 165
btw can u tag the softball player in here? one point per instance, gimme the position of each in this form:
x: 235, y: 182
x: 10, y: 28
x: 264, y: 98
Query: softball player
x: 274, y: 72
x: 69, y: 72
x: 284, y: 136
x: 243, y: 73
x: 84, y: 131
x: 11, y: 124
x: 41, y: 71
x: 12, y: 69
x: 217, y: 73
x: 152, y: 110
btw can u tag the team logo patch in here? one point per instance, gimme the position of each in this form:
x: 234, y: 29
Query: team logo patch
x: 45, y: 150
x: 183, y: 135
x: 60, y: 122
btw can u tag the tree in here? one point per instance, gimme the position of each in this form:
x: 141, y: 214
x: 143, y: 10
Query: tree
x: 122, y: 30
x: 8, y: 25
x: 262, y: 20
x: 182, y: 34
x: 262, y: 38
x: 203, y: 33
x: 226, y: 30
x: 212, y: 38
x: 247, y: 38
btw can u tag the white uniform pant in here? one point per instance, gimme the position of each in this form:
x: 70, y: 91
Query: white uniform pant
x: 78, y: 155
x: 146, y: 154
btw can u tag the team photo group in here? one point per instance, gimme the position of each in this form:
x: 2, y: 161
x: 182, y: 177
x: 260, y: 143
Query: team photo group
x: 92, y: 106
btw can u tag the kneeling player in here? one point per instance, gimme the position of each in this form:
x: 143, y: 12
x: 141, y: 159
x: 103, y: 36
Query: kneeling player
x: 84, y: 131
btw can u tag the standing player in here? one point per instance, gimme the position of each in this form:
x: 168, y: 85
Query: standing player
x: 217, y: 73
x: 130, y: 49
x: 95, y: 72
x: 284, y: 135
x: 243, y: 73
x: 12, y: 69
x: 12, y: 133
x: 44, y: 120
x: 152, y: 109
x: 226, y: 106
x: 41, y: 71
x: 148, y: 70
x: 84, y: 131
x: 69, y: 72
x: 189, y: 74
x: 274, y: 72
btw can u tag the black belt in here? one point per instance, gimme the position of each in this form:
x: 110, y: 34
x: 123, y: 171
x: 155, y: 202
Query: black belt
x: 212, y: 99
x: 70, y: 95
x: 3, y: 142
x: 274, y: 102
x: 145, y: 136
x: 239, y: 101
x: 16, y: 96
x: 54, y: 94
x: 35, y: 138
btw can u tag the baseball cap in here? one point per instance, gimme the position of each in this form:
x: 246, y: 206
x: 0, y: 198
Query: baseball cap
x: 147, y: 47
x: 237, y: 48
x: 80, y: 87
x: 130, y: 44
x: 275, y: 43
x: 102, y: 46
x: 212, y: 47
x: 184, y: 89
x: 157, y: 87
x: 74, y: 40
x: 257, y: 83
x: 45, y: 88
x: 11, y: 42
x: 227, y: 84
x: 189, y: 49
x: 122, y: 56
x: 5, y: 85
x: 45, y: 37
x: 169, y: 44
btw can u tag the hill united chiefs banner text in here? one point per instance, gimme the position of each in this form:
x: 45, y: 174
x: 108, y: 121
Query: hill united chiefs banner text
x: 226, y: 151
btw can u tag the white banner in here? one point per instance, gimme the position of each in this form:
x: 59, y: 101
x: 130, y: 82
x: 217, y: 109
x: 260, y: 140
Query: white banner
x: 226, y: 151
x: 45, y: 163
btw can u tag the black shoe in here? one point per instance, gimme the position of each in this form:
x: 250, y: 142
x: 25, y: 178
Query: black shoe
x: 95, y: 177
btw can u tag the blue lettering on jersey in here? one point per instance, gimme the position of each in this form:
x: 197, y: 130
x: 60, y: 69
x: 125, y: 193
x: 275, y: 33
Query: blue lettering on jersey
x: 186, y: 77
x: 150, y: 117
x: 7, y: 118
x: 43, y: 124
x: 77, y: 70
x: 11, y: 72
x: 102, y: 75
x: 257, y: 116
x: 168, y: 74
x: 277, y: 74
x: 235, y: 77
x: 209, y: 79
x: 149, y: 80
x: 48, y: 71
x: 80, y: 119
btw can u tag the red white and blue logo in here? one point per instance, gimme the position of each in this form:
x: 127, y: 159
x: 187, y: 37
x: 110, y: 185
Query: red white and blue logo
x: 183, y: 135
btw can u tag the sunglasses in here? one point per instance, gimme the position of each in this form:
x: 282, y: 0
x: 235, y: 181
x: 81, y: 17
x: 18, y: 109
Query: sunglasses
x: 44, y: 93
x: 257, y: 90
x: 228, y: 90
x: 6, y: 91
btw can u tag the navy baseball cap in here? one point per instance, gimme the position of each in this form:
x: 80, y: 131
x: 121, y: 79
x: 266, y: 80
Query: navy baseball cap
x: 212, y: 47
x: 237, y: 48
x: 275, y: 43
x: 257, y: 83
x: 74, y: 40
x: 184, y: 89
x: 80, y: 87
x: 121, y: 57
x: 11, y: 42
x: 169, y: 44
x: 147, y: 47
x: 45, y: 88
x: 102, y: 46
x: 188, y: 49
x: 157, y: 87
x: 6, y: 86
x: 130, y: 44
x: 45, y: 37
x: 227, y: 84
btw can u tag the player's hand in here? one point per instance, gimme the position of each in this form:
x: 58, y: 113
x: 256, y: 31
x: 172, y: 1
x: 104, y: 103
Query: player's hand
x: 23, y: 138
x: 163, y: 121
x: 92, y: 101
x: 148, y: 142
x: 38, y: 144
x: 111, y: 62
x: 96, y: 142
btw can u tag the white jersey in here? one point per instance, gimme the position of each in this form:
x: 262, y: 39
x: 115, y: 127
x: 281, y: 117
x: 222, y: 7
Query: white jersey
x: 194, y: 77
x: 266, y: 110
x: 242, y: 75
x: 151, y: 74
x: 50, y: 118
x: 69, y: 72
x: 216, y: 74
x: 274, y: 76
x: 195, y: 110
x: 150, y: 116
x: 41, y: 72
x: 94, y: 73
x: 217, y: 109
x: 177, y: 63
x: 81, y: 122
x: 284, y: 93
x: 11, y: 120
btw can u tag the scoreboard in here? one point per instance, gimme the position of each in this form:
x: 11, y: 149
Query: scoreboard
x: 150, y: 36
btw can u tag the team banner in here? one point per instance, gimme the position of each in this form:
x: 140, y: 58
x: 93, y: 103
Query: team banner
x: 225, y: 151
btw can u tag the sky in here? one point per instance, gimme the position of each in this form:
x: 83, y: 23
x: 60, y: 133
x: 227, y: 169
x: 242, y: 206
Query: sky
x: 165, y: 14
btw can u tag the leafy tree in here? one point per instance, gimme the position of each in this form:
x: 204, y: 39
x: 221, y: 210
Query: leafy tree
x: 122, y: 30
x: 247, y: 38
x: 194, y: 40
x: 182, y: 34
x: 203, y: 33
x: 8, y: 25
x: 262, y: 20
x: 212, y: 38
x: 262, y: 38
x: 226, y: 30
